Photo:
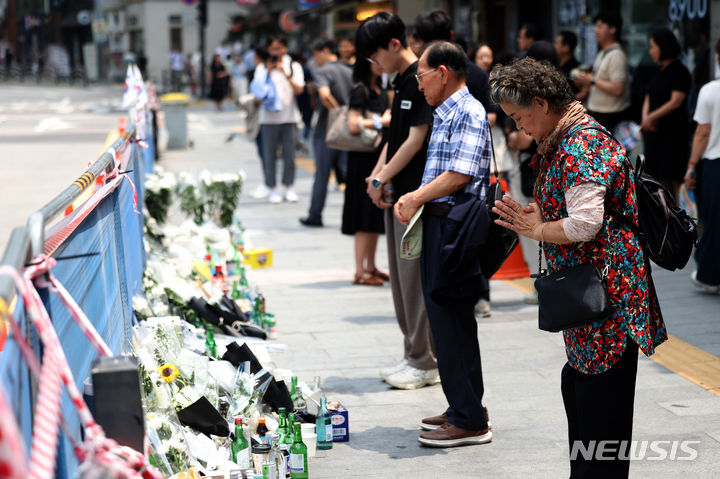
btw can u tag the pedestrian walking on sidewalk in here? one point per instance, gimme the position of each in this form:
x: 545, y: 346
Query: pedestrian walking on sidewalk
x: 458, y: 162
x: 333, y: 81
x: 703, y: 175
x: 368, y: 110
x: 381, y: 39
x: 582, y: 169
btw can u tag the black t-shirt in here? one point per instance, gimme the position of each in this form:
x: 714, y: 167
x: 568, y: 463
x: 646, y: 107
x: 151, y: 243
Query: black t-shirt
x: 567, y: 68
x: 675, y: 77
x: 478, y: 86
x: 409, y: 109
x: 366, y: 99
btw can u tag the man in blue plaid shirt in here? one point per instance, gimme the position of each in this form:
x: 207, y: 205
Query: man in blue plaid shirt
x: 458, y: 160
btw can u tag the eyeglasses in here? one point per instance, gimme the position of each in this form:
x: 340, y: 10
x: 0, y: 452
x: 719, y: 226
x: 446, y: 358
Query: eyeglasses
x: 418, y: 77
x: 370, y: 60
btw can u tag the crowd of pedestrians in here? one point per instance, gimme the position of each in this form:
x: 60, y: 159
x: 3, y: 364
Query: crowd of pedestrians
x: 441, y: 110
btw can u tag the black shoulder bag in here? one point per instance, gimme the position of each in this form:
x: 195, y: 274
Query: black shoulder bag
x: 500, y: 241
x: 571, y: 297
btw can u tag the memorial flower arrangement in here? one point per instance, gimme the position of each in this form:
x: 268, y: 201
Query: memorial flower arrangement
x: 159, y: 187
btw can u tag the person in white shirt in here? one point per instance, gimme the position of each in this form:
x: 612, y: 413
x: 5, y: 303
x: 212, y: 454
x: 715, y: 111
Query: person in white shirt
x: 607, y: 88
x: 706, y: 182
x: 177, y: 67
x: 279, y: 127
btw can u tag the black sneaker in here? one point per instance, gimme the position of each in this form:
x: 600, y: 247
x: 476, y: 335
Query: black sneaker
x: 311, y: 222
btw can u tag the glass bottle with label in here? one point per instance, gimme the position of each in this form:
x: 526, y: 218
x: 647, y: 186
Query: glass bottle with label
x: 323, y: 426
x: 298, y: 456
x: 275, y: 458
x: 284, y: 447
x: 240, y: 447
x: 262, y: 431
x: 282, y: 424
x: 297, y: 396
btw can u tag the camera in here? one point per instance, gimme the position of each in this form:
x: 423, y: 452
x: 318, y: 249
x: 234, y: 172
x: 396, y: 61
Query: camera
x: 274, y: 58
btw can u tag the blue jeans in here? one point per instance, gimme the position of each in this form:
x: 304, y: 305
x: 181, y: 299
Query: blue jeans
x: 325, y: 159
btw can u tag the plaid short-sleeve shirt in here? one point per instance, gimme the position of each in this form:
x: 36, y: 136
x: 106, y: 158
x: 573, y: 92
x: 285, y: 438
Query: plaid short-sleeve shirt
x: 460, y: 142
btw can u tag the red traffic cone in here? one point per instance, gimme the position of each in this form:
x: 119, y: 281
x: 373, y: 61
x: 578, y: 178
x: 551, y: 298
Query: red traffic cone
x: 514, y: 266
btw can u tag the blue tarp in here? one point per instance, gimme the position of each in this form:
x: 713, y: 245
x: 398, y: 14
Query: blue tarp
x: 103, y: 285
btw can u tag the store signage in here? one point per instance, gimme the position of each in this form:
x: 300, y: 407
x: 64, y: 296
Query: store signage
x: 678, y: 9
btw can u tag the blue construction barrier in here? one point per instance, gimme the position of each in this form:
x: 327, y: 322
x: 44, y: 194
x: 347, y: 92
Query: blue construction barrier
x: 103, y: 285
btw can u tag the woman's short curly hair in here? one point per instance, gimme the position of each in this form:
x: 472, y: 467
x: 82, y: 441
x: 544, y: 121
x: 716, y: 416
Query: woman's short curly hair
x: 524, y: 79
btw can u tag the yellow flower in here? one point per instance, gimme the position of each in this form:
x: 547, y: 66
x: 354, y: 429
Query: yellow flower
x: 168, y: 372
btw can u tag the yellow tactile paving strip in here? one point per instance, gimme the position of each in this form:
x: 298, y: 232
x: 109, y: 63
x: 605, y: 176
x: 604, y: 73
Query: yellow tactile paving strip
x: 680, y: 357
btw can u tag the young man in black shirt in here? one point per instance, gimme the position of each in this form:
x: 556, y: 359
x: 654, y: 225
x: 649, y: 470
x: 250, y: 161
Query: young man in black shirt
x: 565, y: 44
x: 381, y: 39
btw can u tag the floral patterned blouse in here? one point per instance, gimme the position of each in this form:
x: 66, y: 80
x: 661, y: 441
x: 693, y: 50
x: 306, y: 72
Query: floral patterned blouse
x: 592, y: 156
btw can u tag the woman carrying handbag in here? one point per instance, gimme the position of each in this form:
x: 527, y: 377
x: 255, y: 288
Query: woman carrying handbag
x: 582, y: 175
x: 368, y: 110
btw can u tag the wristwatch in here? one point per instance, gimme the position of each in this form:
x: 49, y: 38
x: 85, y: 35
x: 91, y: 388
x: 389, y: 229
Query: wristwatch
x: 376, y: 183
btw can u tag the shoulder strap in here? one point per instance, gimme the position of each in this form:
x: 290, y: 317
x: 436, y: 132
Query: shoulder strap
x: 640, y: 166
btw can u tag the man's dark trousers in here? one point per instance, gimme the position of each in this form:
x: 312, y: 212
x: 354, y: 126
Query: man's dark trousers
x: 454, y: 331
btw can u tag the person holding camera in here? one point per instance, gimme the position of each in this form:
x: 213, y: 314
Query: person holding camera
x: 278, y: 121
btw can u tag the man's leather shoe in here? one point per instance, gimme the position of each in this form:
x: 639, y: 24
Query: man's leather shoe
x: 448, y: 435
x: 433, y: 422
x: 307, y: 221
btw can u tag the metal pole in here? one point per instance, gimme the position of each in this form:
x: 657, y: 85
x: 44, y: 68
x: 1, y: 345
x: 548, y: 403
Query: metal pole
x: 203, y: 23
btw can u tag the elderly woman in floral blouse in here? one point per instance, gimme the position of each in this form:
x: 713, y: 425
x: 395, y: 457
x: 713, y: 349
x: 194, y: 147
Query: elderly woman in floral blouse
x: 582, y: 172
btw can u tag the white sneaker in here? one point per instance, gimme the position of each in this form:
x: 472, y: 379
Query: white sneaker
x: 275, y: 197
x: 260, y: 193
x: 482, y: 308
x: 291, y: 196
x: 707, y: 288
x: 412, y: 378
x: 395, y: 368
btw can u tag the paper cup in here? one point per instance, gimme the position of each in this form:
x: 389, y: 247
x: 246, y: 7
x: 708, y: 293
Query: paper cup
x: 307, y: 428
x: 310, y: 440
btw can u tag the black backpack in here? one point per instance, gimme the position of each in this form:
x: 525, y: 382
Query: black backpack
x: 666, y: 232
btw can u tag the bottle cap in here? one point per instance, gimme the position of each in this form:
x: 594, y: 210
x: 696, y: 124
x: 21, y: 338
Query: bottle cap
x: 238, y: 420
x: 261, y: 420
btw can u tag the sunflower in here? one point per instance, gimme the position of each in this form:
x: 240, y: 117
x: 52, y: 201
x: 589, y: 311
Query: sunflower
x: 168, y: 372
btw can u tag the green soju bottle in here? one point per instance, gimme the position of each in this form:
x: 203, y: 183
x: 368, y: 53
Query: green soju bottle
x: 235, y: 291
x: 298, y: 456
x: 285, y: 443
x: 210, y: 346
x: 282, y: 429
x: 296, y: 395
x: 323, y: 426
x: 240, y: 448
